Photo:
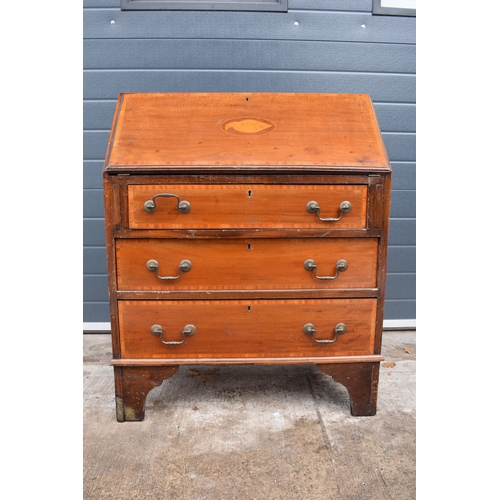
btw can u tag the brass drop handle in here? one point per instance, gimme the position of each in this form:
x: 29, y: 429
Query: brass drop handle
x: 341, y: 266
x: 188, y: 330
x: 183, y: 206
x: 313, y: 208
x: 184, y: 267
x: 309, y: 329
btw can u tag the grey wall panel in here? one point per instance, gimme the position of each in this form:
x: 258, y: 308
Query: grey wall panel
x: 400, y: 146
x: 403, y: 204
x: 400, y: 286
x: 402, y: 232
x: 95, y: 312
x: 95, y: 144
x: 93, y: 232
x: 93, y: 203
x: 101, y: 4
x: 92, y: 173
x: 401, y: 259
x: 98, y: 115
x: 346, y: 5
x: 319, y: 25
x: 249, y: 54
x: 381, y: 87
x: 404, y: 176
x: 396, y: 117
x: 400, y: 309
x: 94, y: 260
x: 95, y: 288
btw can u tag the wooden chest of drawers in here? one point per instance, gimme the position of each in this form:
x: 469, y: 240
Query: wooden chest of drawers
x: 245, y: 229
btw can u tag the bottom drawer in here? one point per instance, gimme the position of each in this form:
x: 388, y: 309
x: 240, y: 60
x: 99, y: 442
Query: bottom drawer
x: 246, y: 328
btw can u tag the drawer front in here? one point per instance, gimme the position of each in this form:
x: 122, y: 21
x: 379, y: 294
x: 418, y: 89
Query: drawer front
x: 245, y: 206
x: 240, y: 329
x: 253, y: 264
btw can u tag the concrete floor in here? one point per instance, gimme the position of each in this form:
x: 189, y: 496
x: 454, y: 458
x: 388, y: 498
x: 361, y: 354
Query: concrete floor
x: 251, y: 433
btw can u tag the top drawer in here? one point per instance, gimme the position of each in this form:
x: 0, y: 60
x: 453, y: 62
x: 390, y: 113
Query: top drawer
x: 247, y: 206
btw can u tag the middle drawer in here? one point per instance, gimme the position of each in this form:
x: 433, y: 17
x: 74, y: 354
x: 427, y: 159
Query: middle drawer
x: 239, y: 264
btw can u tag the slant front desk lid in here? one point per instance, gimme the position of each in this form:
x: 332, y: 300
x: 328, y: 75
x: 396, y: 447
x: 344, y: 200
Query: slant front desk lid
x: 231, y: 131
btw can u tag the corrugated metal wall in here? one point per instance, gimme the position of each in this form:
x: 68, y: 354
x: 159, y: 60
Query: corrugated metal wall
x: 317, y: 46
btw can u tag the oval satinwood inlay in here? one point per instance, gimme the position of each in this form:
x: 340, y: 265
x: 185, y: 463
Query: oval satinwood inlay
x: 247, y: 126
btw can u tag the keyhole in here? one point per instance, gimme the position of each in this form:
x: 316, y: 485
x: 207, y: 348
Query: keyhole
x: 249, y: 194
x: 249, y: 247
x: 249, y: 309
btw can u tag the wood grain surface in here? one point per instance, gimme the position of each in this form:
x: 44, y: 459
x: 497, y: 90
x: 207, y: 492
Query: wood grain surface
x: 251, y: 264
x: 157, y: 131
x: 252, y: 328
x: 246, y: 205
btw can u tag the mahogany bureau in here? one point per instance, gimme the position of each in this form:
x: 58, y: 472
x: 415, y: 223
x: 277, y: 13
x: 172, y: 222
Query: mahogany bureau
x: 245, y: 228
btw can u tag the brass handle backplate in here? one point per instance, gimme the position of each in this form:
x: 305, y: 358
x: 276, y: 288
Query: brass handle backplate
x: 309, y: 329
x: 184, y: 267
x: 188, y: 330
x: 313, y: 208
x: 183, y: 206
x: 341, y: 266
